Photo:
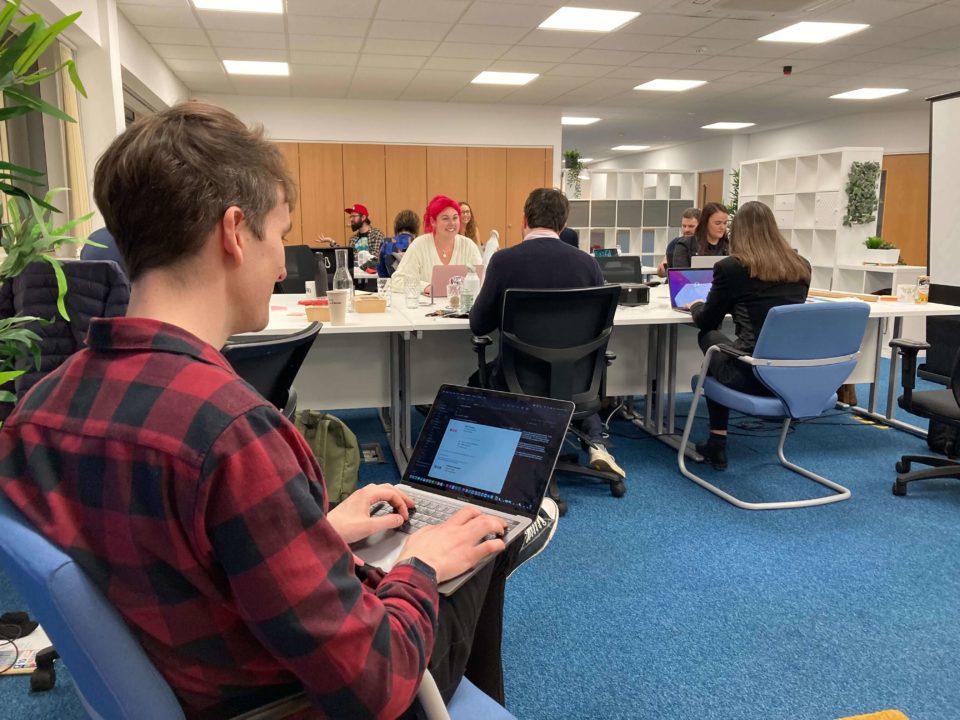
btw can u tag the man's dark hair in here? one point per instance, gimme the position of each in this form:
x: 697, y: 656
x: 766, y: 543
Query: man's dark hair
x: 166, y: 181
x: 406, y: 221
x: 691, y: 214
x: 546, y: 208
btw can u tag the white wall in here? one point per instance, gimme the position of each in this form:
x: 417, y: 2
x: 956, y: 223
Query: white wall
x: 144, y: 72
x: 406, y: 123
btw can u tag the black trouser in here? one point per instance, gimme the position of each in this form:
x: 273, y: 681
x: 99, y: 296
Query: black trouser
x: 730, y: 372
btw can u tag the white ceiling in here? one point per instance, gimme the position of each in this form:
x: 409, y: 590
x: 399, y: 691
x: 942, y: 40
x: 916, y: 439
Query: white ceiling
x: 430, y: 50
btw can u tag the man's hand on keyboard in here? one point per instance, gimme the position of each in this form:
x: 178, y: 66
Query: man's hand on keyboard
x: 455, y: 546
x: 352, y: 519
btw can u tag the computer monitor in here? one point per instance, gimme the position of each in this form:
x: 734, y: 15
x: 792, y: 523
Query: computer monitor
x: 606, y: 252
x: 622, y: 269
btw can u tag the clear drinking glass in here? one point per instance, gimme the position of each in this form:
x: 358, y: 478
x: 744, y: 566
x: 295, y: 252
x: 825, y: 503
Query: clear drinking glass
x: 383, y: 290
x: 411, y: 291
x: 341, y: 278
x: 453, y: 295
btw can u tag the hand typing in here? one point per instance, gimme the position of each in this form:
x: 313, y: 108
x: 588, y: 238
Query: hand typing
x: 351, y: 518
x: 457, y: 545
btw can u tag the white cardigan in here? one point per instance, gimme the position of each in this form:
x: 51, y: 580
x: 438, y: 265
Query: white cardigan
x: 421, y: 257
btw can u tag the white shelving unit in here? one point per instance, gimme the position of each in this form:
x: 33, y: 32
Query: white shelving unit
x: 637, y: 211
x: 808, y: 198
x: 875, y: 278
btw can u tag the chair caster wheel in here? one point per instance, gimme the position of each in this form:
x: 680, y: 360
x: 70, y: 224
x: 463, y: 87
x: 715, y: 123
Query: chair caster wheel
x: 899, y: 489
x: 617, y: 488
x: 561, y: 506
x: 902, y: 467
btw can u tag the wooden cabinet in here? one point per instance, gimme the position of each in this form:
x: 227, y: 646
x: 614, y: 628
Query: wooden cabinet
x: 406, y: 181
x: 364, y: 182
x: 486, y: 183
x: 291, y: 155
x: 526, y: 170
x: 321, y: 192
x: 447, y: 171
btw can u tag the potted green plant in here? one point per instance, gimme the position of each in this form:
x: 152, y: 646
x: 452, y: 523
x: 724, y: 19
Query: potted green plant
x: 734, y: 192
x: 880, y: 252
x: 29, y: 231
x: 573, y: 168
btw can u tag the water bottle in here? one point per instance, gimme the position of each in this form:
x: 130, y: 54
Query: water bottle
x: 341, y: 278
x: 471, y: 288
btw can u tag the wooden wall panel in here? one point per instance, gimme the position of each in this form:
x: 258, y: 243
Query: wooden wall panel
x: 447, y: 171
x: 905, y: 205
x: 291, y: 155
x: 406, y: 181
x: 321, y: 188
x: 549, y: 180
x: 364, y: 182
x: 525, y: 172
x: 711, y: 188
x: 486, y: 189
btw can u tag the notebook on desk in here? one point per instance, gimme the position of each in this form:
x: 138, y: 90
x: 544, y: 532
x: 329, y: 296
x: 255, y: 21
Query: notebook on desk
x: 491, y: 450
x: 688, y: 285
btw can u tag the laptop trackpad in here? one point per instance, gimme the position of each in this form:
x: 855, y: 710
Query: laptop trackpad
x: 381, y: 549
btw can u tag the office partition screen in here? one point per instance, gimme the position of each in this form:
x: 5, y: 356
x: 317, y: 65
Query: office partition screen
x: 944, y: 231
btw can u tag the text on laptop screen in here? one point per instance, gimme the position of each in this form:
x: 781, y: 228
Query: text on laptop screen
x: 689, y: 285
x: 489, y: 447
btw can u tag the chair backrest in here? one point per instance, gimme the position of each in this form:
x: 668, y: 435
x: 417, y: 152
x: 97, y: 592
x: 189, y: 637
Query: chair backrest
x: 821, y: 331
x: 621, y: 269
x: 491, y: 246
x: 301, y: 266
x: 271, y: 364
x: 112, y: 673
x: 553, y: 342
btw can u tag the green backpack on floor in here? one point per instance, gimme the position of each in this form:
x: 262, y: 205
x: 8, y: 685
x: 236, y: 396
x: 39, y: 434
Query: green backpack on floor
x: 336, y: 449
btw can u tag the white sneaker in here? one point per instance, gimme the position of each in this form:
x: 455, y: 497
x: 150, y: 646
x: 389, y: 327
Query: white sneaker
x: 540, y: 533
x: 601, y: 459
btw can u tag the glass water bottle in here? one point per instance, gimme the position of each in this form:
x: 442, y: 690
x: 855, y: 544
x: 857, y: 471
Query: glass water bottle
x: 341, y: 278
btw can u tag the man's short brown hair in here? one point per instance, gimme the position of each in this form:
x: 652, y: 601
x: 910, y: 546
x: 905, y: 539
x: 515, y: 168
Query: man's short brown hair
x: 546, y: 208
x: 691, y: 214
x: 166, y: 181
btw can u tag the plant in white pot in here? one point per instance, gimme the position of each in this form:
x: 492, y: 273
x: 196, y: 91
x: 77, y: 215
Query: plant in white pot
x: 880, y: 252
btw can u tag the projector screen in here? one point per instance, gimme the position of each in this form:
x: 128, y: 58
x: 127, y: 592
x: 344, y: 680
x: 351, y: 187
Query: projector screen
x: 944, y: 233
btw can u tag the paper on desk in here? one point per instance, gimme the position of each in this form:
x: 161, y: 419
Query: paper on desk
x: 25, y: 649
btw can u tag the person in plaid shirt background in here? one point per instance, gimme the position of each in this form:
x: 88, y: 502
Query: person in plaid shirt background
x: 194, y: 504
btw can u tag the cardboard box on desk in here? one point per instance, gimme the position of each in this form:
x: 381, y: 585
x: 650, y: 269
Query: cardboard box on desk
x: 369, y: 304
x: 318, y: 313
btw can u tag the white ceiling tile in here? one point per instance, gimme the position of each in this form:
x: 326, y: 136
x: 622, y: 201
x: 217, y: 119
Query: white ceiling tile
x: 492, y: 13
x: 592, y: 56
x: 329, y: 73
x: 633, y: 43
x: 470, y: 50
x: 163, y: 3
x: 200, y: 67
x: 726, y: 62
x: 845, y: 67
x: 740, y: 29
x: 325, y: 43
x: 394, y: 29
x: 702, y: 46
x: 332, y: 8
x: 207, y: 83
x: 391, y: 61
x: 872, y: 11
x: 666, y: 60
x: 185, y: 52
x: 945, y: 39
x: 492, y: 34
x: 767, y: 50
x: 552, y: 38
x: 448, y: 11
x: 829, y: 52
x: 894, y: 55
x: 948, y: 59
x: 427, y: 93
x: 244, y: 22
x: 318, y: 87
x: 327, y: 25
x: 673, y: 25
x: 248, y: 53
x: 934, y: 17
x: 549, y: 54
x: 424, y: 48
x: 265, y: 86
x: 578, y: 70
x: 266, y: 41
x: 324, y: 59
x: 158, y: 16
x: 473, y: 65
x: 174, y: 36
x: 523, y: 66
x: 482, y: 93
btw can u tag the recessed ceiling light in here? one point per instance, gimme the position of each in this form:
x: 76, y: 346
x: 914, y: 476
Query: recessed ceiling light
x: 256, y: 67
x: 727, y: 126
x: 670, y: 85
x: 488, y: 77
x: 630, y: 147
x: 568, y: 120
x: 868, y: 93
x: 813, y: 32
x: 274, y: 7
x: 588, y: 19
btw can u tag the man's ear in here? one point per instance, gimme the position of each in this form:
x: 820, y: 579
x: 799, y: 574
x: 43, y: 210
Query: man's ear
x: 230, y: 238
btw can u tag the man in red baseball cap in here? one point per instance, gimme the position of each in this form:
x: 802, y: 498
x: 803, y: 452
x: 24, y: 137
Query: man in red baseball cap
x: 365, y: 236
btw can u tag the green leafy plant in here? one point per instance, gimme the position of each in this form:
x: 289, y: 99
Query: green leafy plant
x: 734, y: 192
x: 573, y: 167
x: 29, y: 232
x: 875, y: 242
x: 862, y: 189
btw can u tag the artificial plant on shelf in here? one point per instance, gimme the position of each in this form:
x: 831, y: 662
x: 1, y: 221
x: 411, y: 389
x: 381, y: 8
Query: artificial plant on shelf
x: 573, y: 167
x: 29, y: 231
x: 734, y: 192
x: 863, y: 186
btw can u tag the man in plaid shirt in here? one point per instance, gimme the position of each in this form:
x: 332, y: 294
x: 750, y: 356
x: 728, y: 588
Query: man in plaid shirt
x: 192, y: 503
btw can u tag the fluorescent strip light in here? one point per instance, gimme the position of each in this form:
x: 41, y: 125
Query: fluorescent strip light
x: 670, y: 85
x: 727, y: 126
x: 274, y: 7
x: 629, y: 148
x: 588, y: 19
x: 813, y: 32
x: 256, y: 67
x: 868, y: 93
x: 567, y: 120
x: 586, y: 160
x: 488, y: 77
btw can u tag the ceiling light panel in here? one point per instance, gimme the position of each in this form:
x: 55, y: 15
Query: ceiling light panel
x: 489, y: 77
x: 570, y: 120
x: 728, y: 126
x: 813, y: 32
x: 868, y: 93
x: 666, y: 85
x: 630, y: 148
x: 588, y: 19
x: 256, y: 67
x: 273, y: 7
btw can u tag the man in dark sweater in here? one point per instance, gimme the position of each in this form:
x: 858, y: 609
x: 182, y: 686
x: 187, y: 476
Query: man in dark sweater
x: 541, y: 261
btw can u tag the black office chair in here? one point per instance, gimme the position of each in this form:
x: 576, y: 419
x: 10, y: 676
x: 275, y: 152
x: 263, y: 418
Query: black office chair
x: 270, y: 364
x: 942, y: 406
x: 553, y: 343
x: 301, y: 266
x: 621, y: 269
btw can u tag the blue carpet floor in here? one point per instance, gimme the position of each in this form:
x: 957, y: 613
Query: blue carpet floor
x: 670, y: 603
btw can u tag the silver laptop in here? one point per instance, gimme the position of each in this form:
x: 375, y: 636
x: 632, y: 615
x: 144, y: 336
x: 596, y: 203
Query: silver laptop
x: 688, y: 285
x: 493, y: 450
x: 442, y: 274
x: 705, y: 261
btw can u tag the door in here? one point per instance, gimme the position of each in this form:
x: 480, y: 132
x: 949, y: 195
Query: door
x: 525, y: 172
x: 486, y: 185
x: 291, y: 156
x: 711, y: 188
x: 406, y: 182
x: 364, y: 182
x: 907, y: 187
x: 321, y: 192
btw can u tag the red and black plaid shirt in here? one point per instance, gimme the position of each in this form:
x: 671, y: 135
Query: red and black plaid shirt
x: 199, y: 510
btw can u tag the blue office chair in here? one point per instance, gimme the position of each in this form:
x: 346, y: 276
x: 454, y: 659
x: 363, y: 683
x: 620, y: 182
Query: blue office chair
x: 113, y: 675
x: 804, y: 353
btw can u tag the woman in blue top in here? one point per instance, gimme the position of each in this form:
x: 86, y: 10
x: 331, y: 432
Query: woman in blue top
x: 406, y: 226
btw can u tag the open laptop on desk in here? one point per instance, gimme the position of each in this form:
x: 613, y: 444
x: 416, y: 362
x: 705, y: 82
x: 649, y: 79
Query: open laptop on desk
x: 493, y: 450
x: 620, y: 269
x: 688, y: 285
x: 442, y: 274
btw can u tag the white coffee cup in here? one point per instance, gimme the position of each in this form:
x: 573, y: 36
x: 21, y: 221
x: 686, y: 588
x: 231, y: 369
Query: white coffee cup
x: 311, y: 288
x: 338, y: 300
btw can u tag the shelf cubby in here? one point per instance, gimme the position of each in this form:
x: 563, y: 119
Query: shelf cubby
x: 806, y: 177
x: 786, y: 176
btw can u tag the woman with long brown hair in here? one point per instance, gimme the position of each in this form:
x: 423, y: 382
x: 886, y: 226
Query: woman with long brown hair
x: 762, y: 272
x: 710, y: 237
x: 468, y: 222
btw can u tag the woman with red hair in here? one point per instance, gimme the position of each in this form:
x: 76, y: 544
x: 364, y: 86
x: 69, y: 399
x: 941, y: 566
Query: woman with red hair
x: 441, y: 245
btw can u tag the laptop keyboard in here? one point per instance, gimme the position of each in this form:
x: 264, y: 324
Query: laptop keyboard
x: 427, y: 512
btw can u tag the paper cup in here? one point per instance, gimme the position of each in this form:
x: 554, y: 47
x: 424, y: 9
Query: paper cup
x: 311, y: 288
x: 338, y: 300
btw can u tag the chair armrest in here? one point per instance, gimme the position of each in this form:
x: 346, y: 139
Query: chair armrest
x: 908, y: 350
x: 480, y: 344
x: 732, y: 351
x: 610, y: 357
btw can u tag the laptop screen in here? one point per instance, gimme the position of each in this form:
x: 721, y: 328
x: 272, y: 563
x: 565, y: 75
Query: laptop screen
x: 490, y: 448
x: 688, y: 285
x: 621, y: 269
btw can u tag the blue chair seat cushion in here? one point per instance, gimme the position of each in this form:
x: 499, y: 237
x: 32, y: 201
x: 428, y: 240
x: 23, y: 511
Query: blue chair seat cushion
x: 757, y: 405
